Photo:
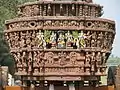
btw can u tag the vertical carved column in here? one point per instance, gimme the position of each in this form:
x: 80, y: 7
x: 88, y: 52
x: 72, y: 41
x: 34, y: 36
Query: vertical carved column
x: 40, y: 10
x: 89, y: 11
x: 93, y: 11
x: 96, y: 13
x: 76, y: 9
x: 80, y: 10
x: 45, y: 11
x: 67, y: 10
x: 54, y: 10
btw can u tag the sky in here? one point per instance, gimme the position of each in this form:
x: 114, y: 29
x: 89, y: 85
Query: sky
x: 111, y: 10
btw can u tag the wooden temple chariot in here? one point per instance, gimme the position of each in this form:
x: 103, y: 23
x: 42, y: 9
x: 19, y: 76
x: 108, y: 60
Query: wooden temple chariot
x: 60, y: 41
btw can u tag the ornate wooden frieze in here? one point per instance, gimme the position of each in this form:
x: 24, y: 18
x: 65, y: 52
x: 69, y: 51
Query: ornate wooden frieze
x: 60, y: 40
x: 60, y: 23
x: 59, y: 63
x: 56, y: 8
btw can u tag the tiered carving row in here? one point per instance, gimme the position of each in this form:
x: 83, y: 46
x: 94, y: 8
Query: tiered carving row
x: 62, y: 23
x: 60, y: 63
x: 58, y: 8
x: 49, y: 39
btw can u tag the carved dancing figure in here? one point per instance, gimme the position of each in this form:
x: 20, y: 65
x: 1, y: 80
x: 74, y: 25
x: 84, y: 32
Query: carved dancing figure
x: 81, y: 39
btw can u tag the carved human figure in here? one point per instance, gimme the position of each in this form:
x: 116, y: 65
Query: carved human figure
x: 24, y: 59
x: 22, y: 40
x: 104, y: 57
x: 98, y: 58
x: 40, y: 38
x: 69, y: 39
x: 61, y: 42
x: 100, y: 39
x: 93, y: 61
x: 49, y: 10
x: 29, y: 61
x: 34, y: 40
x: 87, y: 39
x: 19, y: 64
x: 85, y: 10
x: 28, y: 39
x: 81, y: 39
x: 93, y: 40
x: 17, y: 43
x: 12, y: 39
x: 35, y: 60
x: 53, y: 39
x: 105, y: 42
x: 62, y: 58
x: 73, y: 57
x: 49, y: 58
x: 40, y: 57
x: 88, y: 59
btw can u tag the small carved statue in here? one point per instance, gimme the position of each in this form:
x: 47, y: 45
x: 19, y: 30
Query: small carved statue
x: 93, y: 61
x: 81, y: 39
x: 19, y: 64
x: 87, y: 39
x: 98, y: 58
x: 35, y: 60
x: 99, y: 39
x: 61, y: 42
x: 22, y: 40
x: 69, y: 39
x: 24, y: 58
x: 40, y: 38
x: 53, y: 39
x: 88, y: 59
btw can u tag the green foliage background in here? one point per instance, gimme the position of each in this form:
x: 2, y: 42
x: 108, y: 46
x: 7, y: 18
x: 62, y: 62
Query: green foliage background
x: 8, y: 9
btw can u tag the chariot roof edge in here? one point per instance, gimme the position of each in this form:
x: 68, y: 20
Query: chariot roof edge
x: 58, y: 2
x: 77, y: 18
